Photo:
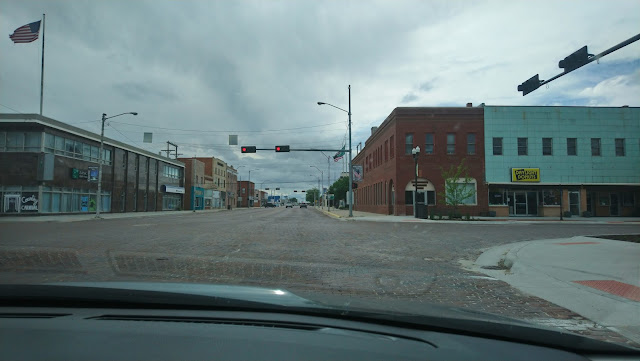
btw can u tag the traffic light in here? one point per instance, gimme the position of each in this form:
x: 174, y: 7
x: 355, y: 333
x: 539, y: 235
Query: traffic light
x: 530, y: 85
x: 282, y: 148
x: 248, y: 149
x: 575, y: 60
x: 295, y: 191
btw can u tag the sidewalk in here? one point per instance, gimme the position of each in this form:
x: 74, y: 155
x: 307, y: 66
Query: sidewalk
x: 91, y: 216
x: 376, y: 217
x: 596, y: 278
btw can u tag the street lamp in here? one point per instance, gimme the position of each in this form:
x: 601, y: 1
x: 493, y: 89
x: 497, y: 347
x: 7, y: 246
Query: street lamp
x: 416, y: 152
x: 321, y: 179
x: 100, y: 160
x: 350, y: 170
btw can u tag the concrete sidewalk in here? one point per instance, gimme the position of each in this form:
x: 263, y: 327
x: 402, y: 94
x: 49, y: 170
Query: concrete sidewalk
x: 376, y: 217
x: 596, y: 278
x: 91, y: 216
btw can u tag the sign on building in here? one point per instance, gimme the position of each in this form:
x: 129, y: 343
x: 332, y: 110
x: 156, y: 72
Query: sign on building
x: 357, y: 173
x: 525, y: 175
x: 93, y: 174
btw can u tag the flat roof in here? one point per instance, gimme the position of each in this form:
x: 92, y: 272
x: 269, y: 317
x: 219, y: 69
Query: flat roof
x: 52, y: 123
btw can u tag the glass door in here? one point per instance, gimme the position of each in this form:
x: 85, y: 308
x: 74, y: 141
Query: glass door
x: 520, y: 203
x: 614, y: 205
x: 532, y: 203
x: 574, y: 203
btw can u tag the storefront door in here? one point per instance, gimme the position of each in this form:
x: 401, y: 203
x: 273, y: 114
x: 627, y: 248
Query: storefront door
x: 574, y: 203
x: 523, y: 203
x: 614, y: 205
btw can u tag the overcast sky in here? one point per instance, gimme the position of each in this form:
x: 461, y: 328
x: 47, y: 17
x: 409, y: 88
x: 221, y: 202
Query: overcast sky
x: 197, y: 71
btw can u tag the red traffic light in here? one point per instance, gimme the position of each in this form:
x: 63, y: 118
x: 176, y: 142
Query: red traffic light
x: 282, y: 148
x: 248, y: 149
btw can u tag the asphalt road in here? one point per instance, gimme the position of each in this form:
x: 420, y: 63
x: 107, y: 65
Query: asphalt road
x: 395, y: 266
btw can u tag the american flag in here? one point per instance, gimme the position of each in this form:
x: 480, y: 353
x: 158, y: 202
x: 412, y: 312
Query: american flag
x: 26, y: 33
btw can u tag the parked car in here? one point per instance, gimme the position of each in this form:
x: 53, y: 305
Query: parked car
x: 269, y: 205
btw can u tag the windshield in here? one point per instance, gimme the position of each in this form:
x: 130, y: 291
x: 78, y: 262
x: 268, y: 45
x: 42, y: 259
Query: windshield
x: 388, y: 155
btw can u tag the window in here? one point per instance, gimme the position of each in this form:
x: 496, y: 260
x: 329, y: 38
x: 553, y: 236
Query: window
x: 572, y: 146
x: 69, y: 147
x: 627, y: 199
x: 428, y: 143
x: 595, y: 147
x: 619, y: 147
x: 49, y: 142
x: 498, y: 197
x: 451, y: 143
x: 59, y: 145
x: 523, y: 146
x: 497, y: 146
x: 171, y: 172
x: 471, y: 144
x: 408, y: 144
x: 32, y: 142
x: 15, y: 141
x: 551, y: 198
x: 465, y: 187
x: 3, y: 140
x: 94, y: 153
x: 386, y: 150
x: 408, y: 197
x: 86, y: 151
x: 392, y: 147
x: 547, y: 146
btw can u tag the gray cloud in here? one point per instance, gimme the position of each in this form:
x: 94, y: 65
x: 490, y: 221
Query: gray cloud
x: 239, y: 66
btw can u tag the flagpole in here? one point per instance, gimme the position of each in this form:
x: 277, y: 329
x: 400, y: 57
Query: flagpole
x: 42, y: 67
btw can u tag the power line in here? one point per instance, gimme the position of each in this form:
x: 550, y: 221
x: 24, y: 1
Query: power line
x: 229, y: 131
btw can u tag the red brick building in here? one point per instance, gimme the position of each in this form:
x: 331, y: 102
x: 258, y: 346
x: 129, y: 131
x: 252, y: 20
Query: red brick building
x: 446, y: 136
x: 246, y: 194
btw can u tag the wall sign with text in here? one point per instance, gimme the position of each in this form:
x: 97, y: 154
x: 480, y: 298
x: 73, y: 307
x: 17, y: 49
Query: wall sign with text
x: 525, y: 174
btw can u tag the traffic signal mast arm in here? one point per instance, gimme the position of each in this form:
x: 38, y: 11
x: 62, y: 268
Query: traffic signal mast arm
x: 578, y: 59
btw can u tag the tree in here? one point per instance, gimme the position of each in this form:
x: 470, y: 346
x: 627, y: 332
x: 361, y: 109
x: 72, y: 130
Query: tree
x: 458, y: 185
x: 340, y: 188
x: 293, y: 200
x: 313, y: 194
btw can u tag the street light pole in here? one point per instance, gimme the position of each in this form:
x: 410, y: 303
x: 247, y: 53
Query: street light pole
x: 99, y: 194
x: 415, y: 151
x: 350, y: 170
x: 350, y: 194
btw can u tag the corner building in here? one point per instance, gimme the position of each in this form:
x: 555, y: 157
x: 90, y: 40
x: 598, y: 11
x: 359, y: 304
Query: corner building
x: 446, y: 136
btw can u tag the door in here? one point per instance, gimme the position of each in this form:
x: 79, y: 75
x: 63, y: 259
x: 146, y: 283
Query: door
x: 574, y: 203
x: 12, y: 203
x: 520, y: 203
x: 614, y: 205
x: 532, y: 203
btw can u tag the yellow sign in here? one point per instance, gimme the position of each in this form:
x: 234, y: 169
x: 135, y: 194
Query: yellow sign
x: 525, y: 174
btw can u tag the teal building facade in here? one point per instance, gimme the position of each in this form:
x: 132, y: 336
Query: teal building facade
x: 544, y: 160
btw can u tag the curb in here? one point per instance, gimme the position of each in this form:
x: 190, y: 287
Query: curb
x: 327, y: 213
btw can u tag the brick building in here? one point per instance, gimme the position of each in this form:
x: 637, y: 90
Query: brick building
x: 48, y: 166
x: 196, y: 184
x: 446, y: 136
x: 246, y: 194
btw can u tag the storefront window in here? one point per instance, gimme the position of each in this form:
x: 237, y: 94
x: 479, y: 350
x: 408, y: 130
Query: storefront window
x: 627, y: 199
x: 603, y: 199
x: 15, y: 141
x: 498, y: 197
x: 551, y: 198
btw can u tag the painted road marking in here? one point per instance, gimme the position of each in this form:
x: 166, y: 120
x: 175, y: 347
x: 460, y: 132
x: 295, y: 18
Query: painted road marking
x: 571, y: 243
x: 615, y: 288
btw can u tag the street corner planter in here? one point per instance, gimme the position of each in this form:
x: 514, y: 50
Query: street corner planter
x: 567, y: 214
x: 587, y: 214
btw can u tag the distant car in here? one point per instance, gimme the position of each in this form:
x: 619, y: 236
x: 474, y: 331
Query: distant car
x: 269, y: 205
x: 303, y: 205
x: 288, y: 205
